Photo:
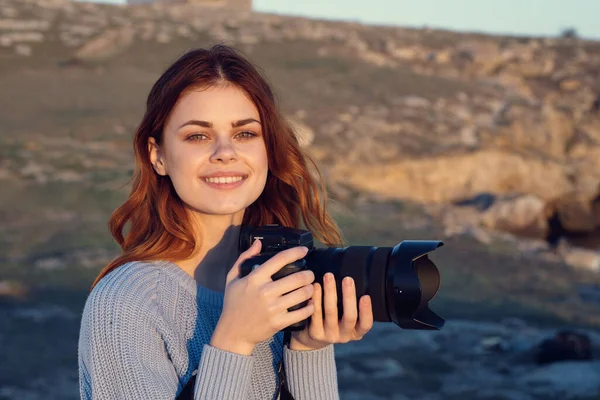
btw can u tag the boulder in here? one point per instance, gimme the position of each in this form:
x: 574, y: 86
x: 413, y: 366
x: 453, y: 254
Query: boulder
x: 523, y: 215
x: 576, y: 211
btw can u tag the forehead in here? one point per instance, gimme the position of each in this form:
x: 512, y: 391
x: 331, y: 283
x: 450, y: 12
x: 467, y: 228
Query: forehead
x: 216, y: 104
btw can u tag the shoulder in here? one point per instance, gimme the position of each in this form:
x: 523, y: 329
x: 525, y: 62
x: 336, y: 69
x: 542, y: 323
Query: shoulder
x: 121, y: 318
x: 130, y: 287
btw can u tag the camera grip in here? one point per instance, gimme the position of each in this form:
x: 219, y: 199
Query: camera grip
x: 289, y: 269
x: 299, y: 265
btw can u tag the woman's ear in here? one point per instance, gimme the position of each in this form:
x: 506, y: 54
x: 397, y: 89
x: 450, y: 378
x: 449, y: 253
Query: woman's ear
x: 156, y: 157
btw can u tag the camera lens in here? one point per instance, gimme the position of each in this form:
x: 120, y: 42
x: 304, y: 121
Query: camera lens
x: 401, y: 280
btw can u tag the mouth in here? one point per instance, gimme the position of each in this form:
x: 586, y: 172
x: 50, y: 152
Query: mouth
x: 225, y: 182
x: 225, y: 179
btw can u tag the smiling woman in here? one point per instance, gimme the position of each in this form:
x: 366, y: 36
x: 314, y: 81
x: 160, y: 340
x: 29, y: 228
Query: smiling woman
x: 206, y: 160
x: 172, y: 312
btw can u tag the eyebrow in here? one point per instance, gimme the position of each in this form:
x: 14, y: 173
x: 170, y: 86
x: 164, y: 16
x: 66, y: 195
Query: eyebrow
x: 207, y: 124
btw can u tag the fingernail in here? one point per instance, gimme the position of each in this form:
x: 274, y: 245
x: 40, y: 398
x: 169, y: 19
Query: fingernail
x: 305, y: 249
x: 347, y: 281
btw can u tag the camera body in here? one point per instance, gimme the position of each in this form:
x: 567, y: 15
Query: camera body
x: 275, y: 238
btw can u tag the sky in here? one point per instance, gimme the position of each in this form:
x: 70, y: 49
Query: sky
x: 518, y: 17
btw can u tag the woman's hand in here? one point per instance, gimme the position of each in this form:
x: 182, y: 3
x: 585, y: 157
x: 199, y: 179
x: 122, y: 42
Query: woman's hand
x: 355, y: 323
x: 255, y: 307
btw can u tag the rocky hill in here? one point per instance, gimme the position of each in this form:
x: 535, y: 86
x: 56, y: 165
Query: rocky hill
x: 490, y: 143
x: 448, y: 116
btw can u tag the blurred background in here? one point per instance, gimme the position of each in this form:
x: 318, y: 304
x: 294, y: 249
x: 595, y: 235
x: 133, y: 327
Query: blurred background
x: 472, y: 122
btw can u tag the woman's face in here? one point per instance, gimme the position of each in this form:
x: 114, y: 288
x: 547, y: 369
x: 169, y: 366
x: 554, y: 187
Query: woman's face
x: 213, y: 151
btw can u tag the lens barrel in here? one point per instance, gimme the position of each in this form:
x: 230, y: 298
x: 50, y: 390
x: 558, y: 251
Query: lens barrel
x: 401, y: 280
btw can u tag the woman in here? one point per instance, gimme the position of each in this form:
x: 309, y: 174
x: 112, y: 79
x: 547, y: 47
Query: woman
x: 212, y: 153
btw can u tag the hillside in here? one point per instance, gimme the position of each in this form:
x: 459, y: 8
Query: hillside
x: 420, y: 133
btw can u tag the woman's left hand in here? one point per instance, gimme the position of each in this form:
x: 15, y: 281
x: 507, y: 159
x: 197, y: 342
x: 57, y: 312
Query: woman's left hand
x: 355, y: 322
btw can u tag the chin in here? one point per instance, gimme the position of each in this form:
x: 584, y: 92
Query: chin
x: 221, y: 209
x: 228, y: 211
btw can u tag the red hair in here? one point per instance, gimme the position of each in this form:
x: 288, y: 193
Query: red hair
x: 160, y: 227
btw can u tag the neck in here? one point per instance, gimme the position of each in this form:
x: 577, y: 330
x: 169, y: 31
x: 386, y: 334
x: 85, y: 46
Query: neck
x: 218, y: 237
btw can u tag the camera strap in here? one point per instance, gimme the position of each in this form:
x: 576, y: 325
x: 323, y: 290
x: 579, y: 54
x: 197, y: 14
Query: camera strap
x: 283, y: 391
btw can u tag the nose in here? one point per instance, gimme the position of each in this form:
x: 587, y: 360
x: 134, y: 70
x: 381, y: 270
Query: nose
x: 224, y: 152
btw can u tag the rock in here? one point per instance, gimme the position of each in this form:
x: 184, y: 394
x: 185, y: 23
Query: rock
x: 9, y: 12
x: 36, y: 171
x: 163, y: 37
x: 523, y: 216
x: 416, y: 101
x: 468, y: 136
x: 5, y: 41
x: 14, y: 289
x: 571, y: 379
x: 575, y: 211
x: 109, y: 44
x: 68, y: 176
x: 43, y: 313
x: 578, y: 257
x: 495, y: 344
x: 22, y: 37
x: 50, y: 264
x: 383, y: 367
x: 569, y: 85
x: 448, y: 178
x: 485, y: 53
x: 23, y: 50
x: 24, y: 25
x: 563, y: 346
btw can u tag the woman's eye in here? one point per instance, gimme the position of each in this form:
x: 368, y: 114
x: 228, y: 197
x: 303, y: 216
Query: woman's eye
x: 197, y: 137
x: 246, y: 135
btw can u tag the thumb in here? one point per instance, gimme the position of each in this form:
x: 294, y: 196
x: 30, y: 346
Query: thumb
x: 253, y: 250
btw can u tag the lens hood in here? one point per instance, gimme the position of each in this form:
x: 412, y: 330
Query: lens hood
x: 411, y: 281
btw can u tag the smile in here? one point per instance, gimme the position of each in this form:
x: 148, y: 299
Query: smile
x: 223, y: 179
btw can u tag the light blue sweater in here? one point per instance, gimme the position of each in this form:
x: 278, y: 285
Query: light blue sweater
x: 145, y: 330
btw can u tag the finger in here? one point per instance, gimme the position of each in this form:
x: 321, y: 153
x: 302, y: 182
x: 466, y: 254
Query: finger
x: 316, y: 321
x: 365, y: 316
x: 291, y: 282
x: 296, y: 297
x: 331, y: 325
x: 252, y: 251
x: 278, y: 261
x: 291, y: 317
x: 349, y: 303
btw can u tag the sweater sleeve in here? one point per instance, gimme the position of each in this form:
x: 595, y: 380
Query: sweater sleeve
x: 122, y: 354
x: 311, y: 374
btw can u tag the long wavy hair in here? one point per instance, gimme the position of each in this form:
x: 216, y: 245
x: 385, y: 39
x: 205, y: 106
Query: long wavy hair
x: 160, y: 226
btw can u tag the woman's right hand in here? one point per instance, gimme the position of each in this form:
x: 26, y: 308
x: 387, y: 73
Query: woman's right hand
x: 255, y: 307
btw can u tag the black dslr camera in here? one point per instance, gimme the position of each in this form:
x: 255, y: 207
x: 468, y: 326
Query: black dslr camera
x: 400, y: 280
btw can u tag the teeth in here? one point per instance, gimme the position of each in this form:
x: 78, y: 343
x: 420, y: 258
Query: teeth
x: 229, y: 179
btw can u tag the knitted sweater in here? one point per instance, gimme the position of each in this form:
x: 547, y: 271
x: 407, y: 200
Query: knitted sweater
x: 146, y: 329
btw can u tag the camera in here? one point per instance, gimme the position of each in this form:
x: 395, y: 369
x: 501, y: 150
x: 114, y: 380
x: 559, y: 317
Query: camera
x: 401, y: 280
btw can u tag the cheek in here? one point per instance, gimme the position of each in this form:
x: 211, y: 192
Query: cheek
x: 183, y: 161
x: 265, y: 163
x: 263, y: 158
